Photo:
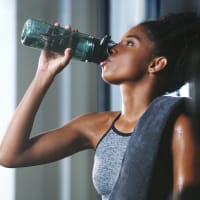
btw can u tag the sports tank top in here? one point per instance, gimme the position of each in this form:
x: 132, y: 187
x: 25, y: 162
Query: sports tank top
x: 107, y: 160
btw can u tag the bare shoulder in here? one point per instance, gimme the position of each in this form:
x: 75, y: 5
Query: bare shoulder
x: 185, y: 144
x: 183, y: 127
x: 93, y: 125
x: 183, y: 132
x: 185, y: 153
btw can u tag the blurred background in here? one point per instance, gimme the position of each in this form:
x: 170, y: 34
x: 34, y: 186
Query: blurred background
x: 77, y: 90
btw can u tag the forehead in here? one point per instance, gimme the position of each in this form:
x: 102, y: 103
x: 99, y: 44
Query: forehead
x: 138, y: 32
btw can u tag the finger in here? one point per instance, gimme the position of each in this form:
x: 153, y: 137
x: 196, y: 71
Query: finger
x: 75, y: 29
x: 68, y: 52
x: 56, y: 24
x: 67, y: 56
x: 68, y: 27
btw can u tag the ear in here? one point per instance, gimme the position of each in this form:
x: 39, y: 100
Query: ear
x: 157, y: 64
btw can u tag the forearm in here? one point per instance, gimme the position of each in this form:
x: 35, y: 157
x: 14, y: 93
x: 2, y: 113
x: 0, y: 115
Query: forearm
x: 17, y: 135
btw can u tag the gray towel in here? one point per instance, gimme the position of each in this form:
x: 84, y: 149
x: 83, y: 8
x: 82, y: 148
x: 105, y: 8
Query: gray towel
x: 137, y: 165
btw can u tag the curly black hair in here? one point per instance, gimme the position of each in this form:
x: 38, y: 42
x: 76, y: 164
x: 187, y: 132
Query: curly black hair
x: 175, y: 36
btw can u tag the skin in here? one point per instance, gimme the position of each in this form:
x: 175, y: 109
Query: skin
x: 130, y: 66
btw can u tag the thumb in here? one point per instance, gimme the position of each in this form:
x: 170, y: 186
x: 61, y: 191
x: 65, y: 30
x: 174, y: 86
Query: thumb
x: 64, y: 60
x: 67, y: 55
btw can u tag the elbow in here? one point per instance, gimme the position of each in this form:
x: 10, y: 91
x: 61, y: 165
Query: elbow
x: 7, y: 164
x: 5, y: 161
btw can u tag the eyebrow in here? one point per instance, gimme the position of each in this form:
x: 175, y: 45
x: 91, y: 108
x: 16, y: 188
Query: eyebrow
x: 134, y: 36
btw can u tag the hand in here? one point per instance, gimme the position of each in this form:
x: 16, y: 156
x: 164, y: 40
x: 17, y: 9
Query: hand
x: 53, y: 63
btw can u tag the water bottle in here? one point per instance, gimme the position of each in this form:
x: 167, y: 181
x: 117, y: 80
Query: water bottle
x: 41, y: 35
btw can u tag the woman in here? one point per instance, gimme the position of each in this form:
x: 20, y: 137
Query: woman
x: 146, y: 63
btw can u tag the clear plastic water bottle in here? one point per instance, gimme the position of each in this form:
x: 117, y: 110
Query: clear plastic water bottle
x: 41, y: 35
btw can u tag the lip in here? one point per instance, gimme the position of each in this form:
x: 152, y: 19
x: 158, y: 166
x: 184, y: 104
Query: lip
x: 105, y: 62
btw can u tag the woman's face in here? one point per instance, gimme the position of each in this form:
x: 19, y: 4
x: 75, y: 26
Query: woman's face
x: 129, y: 59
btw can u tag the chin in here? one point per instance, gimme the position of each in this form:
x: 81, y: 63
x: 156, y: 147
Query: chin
x: 109, y: 78
x: 111, y: 81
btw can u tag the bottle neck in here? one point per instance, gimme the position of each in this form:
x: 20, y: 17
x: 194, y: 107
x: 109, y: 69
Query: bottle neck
x: 101, y: 49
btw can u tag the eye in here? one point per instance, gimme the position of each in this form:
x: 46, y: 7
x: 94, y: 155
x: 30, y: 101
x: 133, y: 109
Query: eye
x: 130, y: 43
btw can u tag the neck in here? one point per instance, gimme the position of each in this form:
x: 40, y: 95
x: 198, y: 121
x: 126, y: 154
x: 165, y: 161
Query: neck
x: 135, y: 100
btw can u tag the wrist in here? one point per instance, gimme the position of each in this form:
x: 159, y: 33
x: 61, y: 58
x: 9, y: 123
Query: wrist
x: 44, y: 78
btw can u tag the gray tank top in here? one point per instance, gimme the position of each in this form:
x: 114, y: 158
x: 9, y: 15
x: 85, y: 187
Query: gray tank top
x: 107, y: 160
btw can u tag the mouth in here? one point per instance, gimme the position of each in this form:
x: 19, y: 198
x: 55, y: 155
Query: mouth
x: 105, y: 62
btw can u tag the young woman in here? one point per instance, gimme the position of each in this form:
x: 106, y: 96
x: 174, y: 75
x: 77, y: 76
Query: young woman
x: 146, y: 63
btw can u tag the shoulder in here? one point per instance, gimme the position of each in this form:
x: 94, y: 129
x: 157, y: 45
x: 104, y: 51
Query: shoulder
x: 95, y: 118
x: 183, y: 120
x: 185, y: 152
x: 183, y: 131
x: 184, y: 138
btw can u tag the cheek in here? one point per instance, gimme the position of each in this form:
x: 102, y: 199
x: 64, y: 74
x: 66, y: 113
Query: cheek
x: 133, y: 68
x: 116, y: 74
x: 123, y: 68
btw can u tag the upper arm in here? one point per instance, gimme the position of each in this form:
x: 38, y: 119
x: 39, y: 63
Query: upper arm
x: 56, y: 144
x: 185, y: 154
